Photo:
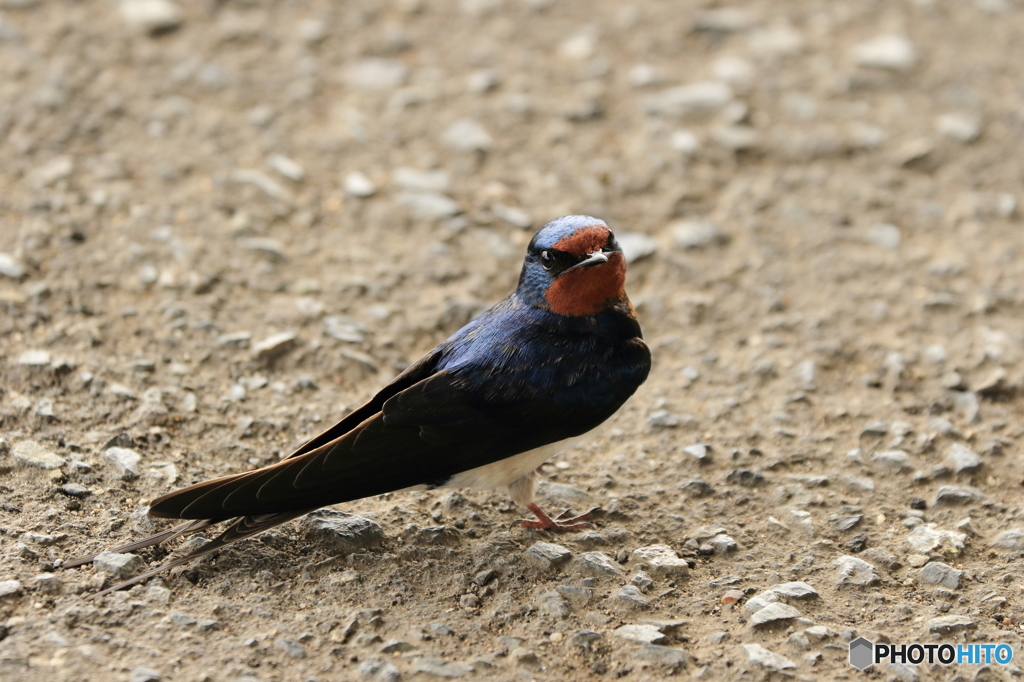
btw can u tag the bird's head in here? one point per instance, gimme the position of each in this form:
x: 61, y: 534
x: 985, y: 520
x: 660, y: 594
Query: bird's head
x: 573, y: 267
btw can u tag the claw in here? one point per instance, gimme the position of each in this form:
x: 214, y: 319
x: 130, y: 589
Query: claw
x: 559, y: 523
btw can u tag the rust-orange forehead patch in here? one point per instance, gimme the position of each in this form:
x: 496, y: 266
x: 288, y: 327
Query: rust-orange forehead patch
x: 584, y: 240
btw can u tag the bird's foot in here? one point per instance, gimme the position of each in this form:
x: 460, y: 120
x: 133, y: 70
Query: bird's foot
x: 559, y: 523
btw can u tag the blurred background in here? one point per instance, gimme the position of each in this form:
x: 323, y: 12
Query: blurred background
x: 223, y: 223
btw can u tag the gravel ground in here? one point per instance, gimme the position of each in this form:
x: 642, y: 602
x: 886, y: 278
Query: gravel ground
x: 223, y: 224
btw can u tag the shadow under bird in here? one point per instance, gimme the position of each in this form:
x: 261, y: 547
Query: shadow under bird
x: 553, y: 360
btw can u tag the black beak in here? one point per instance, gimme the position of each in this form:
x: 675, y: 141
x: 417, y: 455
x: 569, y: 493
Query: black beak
x: 595, y: 258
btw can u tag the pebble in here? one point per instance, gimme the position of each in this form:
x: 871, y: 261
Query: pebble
x: 645, y: 634
x: 642, y: 580
x: 553, y: 604
x: 693, y: 234
x: 961, y: 458
x: 268, y: 248
x: 467, y: 135
x: 663, y: 419
x: 722, y: 544
x: 376, y: 74
x: 439, y: 668
x: 939, y: 573
x: 428, y: 205
x: 666, y: 658
x: 52, y: 171
x: 235, y: 339
x: 892, y: 52
x: 773, y: 614
x: 144, y: 675
x: 955, y: 496
x: 598, y: 564
x: 546, y: 555
x: 74, y: 490
x: 1012, y: 539
x: 854, y: 571
x: 885, y: 235
x: 9, y: 588
x: 11, y: 266
x: 421, y: 181
x: 275, y: 346
x: 687, y: 100
x: 636, y: 246
x: 584, y: 638
x: 960, y: 127
x: 724, y: 20
x: 125, y: 461
x: 152, y: 16
x: 632, y: 596
x: 289, y: 647
x: 383, y: 671
x: 894, y: 459
x: 29, y: 453
x: 698, y: 451
x: 795, y: 590
x: 120, y: 565
x: 684, y: 142
x: 393, y: 646
x: 34, y: 358
x: 345, y: 533
x: 926, y: 538
x: 565, y: 495
x: 344, y: 329
x: 768, y: 660
x: 948, y: 625
x: 512, y: 215
x: 359, y: 185
x: 264, y: 183
x: 661, y: 560
x: 698, y: 488
x: 737, y: 138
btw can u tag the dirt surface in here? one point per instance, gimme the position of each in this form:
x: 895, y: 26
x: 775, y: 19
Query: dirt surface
x: 820, y: 203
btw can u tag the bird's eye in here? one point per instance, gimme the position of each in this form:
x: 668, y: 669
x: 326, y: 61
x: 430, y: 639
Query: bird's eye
x: 546, y: 260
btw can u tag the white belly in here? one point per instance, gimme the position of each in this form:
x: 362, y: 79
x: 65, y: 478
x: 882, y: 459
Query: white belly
x: 504, y: 472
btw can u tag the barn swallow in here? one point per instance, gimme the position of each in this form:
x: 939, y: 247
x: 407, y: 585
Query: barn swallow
x: 553, y: 360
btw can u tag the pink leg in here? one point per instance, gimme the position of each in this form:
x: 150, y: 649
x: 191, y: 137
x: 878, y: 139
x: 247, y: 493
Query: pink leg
x: 545, y: 522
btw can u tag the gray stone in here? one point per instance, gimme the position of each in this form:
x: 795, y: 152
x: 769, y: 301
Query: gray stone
x: 144, y: 675
x: 894, y: 459
x: 439, y: 668
x: 661, y: 560
x: 699, y: 451
x: 760, y: 656
x: 258, y: 179
x: 125, y: 462
x: 9, y: 588
x: 939, y: 573
x: 553, y: 604
x: 722, y: 544
x: 854, y: 572
x: 663, y: 419
x: 11, y: 266
x: 927, y: 538
x: 344, y: 329
x: 885, y: 235
x: 948, y: 625
x: 120, y: 565
x: 393, y: 646
x: 1012, y: 539
x: 688, y: 100
x: 29, y: 453
x: 421, y: 181
x: 642, y: 580
x: 961, y: 458
x: 467, y: 135
x: 631, y: 596
x: 428, y: 205
x: 345, y: 533
x: 286, y: 167
x: 151, y: 16
x: 636, y: 246
x: 891, y: 52
x: 547, y: 555
x: 275, y: 346
x: 759, y: 601
x: 693, y: 234
x: 773, y: 614
x: 584, y: 638
x: 795, y: 590
x: 382, y: 671
x: 289, y: 647
x: 955, y: 496
x: 643, y: 633
x: 49, y: 583
x: 235, y: 339
x: 665, y: 658
x: 598, y: 564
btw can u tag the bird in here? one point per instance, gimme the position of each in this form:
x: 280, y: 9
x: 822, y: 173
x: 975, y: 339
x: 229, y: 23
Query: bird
x: 484, y: 409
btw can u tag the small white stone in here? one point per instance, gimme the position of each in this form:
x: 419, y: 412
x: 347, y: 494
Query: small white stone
x: 661, y: 560
x: 125, y: 461
x: 428, y: 205
x: 959, y: 127
x: 758, y: 655
x: 686, y: 100
x: 34, y: 358
x: 636, y: 246
x: 274, y: 346
x: 29, y: 453
x: 11, y: 266
x: 892, y: 52
x: 467, y: 135
x: 885, y: 235
x: 286, y: 167
x: 684, y: 142
x: 153, y: 16
x: 375, y: 74
x: 693, y: 234
x: 358, y: 185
